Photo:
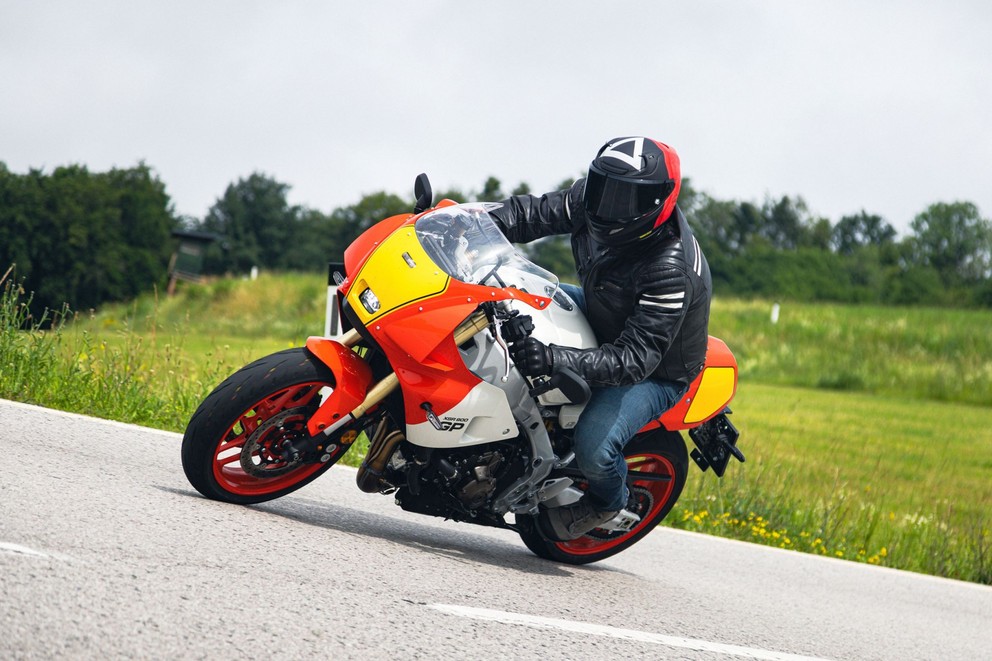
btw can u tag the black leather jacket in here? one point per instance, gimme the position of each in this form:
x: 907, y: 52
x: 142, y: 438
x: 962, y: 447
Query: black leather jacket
x: 649, y: 304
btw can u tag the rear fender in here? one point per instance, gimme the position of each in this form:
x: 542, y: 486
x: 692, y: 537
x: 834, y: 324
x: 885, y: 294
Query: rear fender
x: 352, y: 377
x: 708, y: 394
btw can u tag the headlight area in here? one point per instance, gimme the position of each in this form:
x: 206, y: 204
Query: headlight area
x: 369, y: 301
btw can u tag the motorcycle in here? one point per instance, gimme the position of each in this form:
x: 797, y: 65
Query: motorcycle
x: 431, y: 302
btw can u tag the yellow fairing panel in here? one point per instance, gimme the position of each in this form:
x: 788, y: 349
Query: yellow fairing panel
x: 398, y: 272
x: 715, y: 390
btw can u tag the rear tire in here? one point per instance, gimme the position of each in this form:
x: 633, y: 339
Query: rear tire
x: 231, y: 449
x: 660, y: 456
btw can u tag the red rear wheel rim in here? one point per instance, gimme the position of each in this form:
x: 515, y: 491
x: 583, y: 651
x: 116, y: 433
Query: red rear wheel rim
x: 291, y: 406
x: 658, y: 481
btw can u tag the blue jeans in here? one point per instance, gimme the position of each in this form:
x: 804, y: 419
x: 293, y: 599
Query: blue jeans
x: 613, y: 415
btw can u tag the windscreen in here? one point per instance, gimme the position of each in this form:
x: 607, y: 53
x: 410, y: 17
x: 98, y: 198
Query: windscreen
x: 465, y: 242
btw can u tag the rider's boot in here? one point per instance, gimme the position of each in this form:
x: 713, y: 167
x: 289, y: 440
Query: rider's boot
x: 562, y: 524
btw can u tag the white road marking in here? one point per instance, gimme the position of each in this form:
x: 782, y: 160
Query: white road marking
x: 17, y: 549
x: 614, y: 632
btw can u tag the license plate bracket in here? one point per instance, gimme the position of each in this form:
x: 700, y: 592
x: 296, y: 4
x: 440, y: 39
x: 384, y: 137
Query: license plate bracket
x: 716, y: 443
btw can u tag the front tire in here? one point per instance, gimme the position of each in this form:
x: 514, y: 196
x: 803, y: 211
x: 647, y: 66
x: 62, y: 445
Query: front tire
x: 658, y: 463
x: 232, y: 449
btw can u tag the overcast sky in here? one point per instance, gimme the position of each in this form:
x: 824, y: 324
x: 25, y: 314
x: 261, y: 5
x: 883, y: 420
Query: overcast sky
x: 882, y: 106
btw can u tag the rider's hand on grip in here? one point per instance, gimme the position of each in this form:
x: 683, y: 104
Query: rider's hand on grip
x: 531, y: 357
x: 517, y: 328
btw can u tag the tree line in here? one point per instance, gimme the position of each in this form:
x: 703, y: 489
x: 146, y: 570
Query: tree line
x: 86, y: 238
x: 262, y: 229
x: 776, y: 249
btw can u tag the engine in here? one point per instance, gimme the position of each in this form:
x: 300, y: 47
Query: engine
x: 459, y: 484
x: 473, y: 481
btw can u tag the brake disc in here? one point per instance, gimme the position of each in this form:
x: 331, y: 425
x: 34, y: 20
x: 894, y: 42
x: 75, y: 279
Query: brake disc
x: 261, y: 454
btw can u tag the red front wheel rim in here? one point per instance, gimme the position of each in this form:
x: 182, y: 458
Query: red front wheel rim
x: 256, y: 436
x: 653, y: 485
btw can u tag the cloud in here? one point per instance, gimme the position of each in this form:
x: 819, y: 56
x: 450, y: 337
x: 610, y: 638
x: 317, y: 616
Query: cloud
x: 881, y: 106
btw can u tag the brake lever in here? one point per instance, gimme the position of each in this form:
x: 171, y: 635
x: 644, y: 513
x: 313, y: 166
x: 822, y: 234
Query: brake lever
x: 496, y: 329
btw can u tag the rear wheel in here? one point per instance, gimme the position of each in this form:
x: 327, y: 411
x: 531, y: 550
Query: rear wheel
x: 236, y: 444
x: 657, y: 464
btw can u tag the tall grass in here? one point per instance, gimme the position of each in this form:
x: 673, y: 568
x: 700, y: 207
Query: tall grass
x: 124, y: 377
x: 917, y: 353
x: 286, y: 307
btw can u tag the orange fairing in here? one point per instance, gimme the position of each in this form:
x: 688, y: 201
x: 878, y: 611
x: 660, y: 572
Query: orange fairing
x: 352, y: 377
x: 709, y: 393
x: 356, y: 254
x: 418, y: 340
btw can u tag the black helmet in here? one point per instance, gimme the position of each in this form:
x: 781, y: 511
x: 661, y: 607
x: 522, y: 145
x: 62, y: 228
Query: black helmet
x: 631, y: 190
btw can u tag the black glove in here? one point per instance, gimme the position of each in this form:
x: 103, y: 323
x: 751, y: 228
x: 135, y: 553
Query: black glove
x: 517, y: 328
x: 531, y: 357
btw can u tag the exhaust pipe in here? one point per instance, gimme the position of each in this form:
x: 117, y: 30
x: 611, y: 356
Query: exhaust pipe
x: 381, y: 448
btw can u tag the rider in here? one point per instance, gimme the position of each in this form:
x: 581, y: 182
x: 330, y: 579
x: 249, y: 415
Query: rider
x: 646, y: 292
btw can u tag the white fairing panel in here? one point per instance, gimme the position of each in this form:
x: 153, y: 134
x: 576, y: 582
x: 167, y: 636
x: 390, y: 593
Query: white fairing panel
x: 482, y: 417
x: 559, y: 325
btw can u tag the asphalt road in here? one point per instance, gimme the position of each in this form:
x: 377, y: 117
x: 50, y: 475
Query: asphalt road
x: 107, y: 552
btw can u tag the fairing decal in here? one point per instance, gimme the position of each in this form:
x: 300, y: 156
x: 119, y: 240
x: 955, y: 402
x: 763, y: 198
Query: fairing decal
x: 708, y: 394
x: 482, y: 417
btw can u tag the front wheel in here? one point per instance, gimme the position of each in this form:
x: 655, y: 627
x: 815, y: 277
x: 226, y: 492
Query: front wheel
x: 657, y: 465
x: 235, y: 446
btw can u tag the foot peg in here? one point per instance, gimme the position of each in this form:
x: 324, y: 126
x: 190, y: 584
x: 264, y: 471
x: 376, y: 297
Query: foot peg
x: 565, y: 461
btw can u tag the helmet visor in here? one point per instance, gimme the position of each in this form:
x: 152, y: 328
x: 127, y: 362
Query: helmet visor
x: 617, y: 199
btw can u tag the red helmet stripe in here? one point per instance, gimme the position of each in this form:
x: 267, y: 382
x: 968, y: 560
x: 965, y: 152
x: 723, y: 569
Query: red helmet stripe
x: 674, y: 168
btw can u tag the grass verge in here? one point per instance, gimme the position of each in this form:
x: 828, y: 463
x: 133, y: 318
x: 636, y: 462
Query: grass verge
x: 860, y: 477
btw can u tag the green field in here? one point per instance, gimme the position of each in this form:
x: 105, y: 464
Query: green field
x: 909, y: 353
x: 866, y: 428
x: 867, y: 477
